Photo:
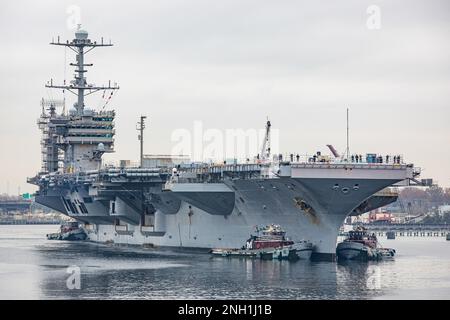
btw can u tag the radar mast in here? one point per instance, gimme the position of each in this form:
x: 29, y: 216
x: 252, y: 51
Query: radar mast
x: 81, y: 45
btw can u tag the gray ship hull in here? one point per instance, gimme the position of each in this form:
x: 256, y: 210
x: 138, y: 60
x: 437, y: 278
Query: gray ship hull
x: 224, y: 215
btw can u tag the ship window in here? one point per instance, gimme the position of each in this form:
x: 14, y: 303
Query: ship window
x: 113, y: 207
x: 66, y: 202
x: 72, y: 206
x: 66, y: 205
x: 84, y: 209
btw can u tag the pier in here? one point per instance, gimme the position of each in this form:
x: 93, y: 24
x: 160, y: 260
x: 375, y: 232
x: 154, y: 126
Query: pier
x: 8, y: 205
x: 30, y: 222
x: 410, y: 230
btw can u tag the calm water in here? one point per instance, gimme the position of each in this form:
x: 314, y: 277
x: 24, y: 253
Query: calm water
x: 32, y: 267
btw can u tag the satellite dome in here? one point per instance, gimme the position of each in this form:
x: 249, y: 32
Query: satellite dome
x: 101, y: 147
x: 81, y: 34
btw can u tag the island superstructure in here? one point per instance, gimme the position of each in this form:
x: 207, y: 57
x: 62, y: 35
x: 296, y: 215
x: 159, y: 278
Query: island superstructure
x: 195, y: 205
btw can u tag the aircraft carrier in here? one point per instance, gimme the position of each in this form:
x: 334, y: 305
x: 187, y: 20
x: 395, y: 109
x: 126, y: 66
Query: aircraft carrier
x: 174, y: 203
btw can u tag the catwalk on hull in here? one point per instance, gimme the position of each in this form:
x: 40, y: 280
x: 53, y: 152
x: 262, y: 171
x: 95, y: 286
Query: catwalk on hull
x: 180, y: 204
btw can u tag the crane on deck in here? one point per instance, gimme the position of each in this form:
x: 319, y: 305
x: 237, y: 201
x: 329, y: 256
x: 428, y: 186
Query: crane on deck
x: 265, y: 149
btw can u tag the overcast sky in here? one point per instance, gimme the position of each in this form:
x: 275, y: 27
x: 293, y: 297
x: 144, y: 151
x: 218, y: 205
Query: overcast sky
x: 232, y: 63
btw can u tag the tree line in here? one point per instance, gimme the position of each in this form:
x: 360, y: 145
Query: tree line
x: 417, y: 201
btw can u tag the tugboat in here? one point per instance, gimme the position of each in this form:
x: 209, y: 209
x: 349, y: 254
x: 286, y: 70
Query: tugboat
x: 70, y: 231
x: 360, y: 245
x: 271, y: 244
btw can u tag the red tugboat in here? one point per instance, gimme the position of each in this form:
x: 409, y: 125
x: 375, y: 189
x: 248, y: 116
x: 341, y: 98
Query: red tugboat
x: 270, y: 243
x: 272, y: 237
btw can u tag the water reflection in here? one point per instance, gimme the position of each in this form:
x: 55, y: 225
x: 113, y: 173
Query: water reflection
x: 32, y: 267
